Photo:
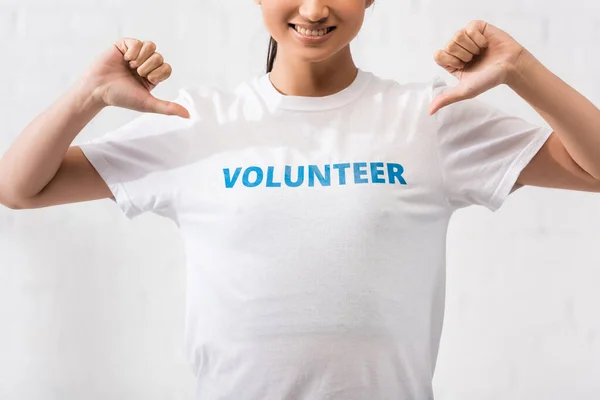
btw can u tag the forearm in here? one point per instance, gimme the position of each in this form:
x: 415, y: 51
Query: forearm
x: 573, y: 117
x: 36, y: 154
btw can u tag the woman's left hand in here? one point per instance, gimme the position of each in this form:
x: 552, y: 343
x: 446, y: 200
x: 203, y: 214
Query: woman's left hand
x: 481, y: 56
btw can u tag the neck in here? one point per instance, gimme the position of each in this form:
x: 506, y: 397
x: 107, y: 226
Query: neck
x: 295, y: 77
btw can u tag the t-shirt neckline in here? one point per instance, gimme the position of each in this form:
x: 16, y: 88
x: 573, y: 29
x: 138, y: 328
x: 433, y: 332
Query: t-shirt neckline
x: 276, y: 100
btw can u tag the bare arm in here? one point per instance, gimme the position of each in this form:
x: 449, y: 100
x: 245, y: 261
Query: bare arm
x: 75, y: 180
x: 41, y: 152
x: 41, y: 168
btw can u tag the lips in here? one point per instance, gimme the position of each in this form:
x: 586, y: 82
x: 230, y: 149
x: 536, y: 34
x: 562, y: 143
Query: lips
x: 318, y: 28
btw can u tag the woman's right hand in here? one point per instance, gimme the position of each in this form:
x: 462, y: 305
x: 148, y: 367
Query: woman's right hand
x: 124, y: 75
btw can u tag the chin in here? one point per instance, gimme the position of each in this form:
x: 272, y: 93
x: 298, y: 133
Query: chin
x: 314, y: 53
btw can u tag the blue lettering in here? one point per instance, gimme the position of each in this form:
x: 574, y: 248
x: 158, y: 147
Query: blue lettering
x: 358, y: 172
x: 342, y: 168
x: 395, y: 171
x: 270, y: 182
x: 314, y: 170
x: 375, y: 172
x: 288, y: 176
x: 259, y: 176
x: 229, y: 182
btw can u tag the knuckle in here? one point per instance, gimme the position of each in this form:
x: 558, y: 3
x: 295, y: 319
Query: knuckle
x: 165, y: 73
x: 155, y: 77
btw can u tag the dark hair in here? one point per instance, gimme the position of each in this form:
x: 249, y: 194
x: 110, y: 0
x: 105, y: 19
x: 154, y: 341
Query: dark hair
x: 271, y: 54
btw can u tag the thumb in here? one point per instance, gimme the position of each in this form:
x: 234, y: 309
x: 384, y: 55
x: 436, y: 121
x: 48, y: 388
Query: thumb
x: 453, y: 95
x: 154, y: 105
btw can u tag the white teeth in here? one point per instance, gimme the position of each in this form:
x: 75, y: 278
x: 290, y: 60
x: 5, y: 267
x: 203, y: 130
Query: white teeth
x: 307, y: 32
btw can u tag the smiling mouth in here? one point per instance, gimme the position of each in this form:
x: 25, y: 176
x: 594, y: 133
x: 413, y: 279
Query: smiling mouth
x: 326, y: 31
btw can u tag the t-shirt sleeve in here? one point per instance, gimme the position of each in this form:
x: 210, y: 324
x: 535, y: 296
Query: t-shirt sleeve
x: 482, y: 150
x: 138, y: 161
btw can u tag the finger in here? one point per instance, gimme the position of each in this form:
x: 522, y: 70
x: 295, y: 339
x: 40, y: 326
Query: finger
x: 154, y: 105
x: 159, y: 74
x: 450, y: 96
x: 445, y: 59
x: 458, y: 51
x: 464, y: 41
x: 474, y: 30
x: 150, y: 64
x: 129, y: 47
x: 148, y: 48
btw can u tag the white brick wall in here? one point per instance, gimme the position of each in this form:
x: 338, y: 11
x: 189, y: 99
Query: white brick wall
x: 92, y: 305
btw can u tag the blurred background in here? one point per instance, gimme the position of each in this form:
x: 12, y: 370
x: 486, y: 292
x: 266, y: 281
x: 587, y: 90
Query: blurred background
x: 92, y: 304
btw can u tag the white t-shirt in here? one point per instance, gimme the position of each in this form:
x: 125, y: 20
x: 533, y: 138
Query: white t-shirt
x: 315, y: 228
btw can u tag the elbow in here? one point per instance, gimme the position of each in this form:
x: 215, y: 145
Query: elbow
x: 13, y: 205
x: 8, y: 200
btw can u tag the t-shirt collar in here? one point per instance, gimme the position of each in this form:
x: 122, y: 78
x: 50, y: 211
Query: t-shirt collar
x: 276, y: 100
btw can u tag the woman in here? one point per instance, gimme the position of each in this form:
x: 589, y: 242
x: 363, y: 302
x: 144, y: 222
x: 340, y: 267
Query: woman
x: 313, y: 200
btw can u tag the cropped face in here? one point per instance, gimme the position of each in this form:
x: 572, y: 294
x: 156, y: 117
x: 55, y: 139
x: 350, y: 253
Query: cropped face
x: 313, y: 30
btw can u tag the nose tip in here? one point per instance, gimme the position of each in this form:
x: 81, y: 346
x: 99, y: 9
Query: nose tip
x: 314, y: 11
